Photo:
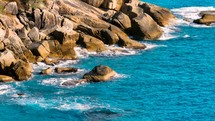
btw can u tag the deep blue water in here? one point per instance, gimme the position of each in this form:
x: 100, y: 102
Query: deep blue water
x: 174, y: 81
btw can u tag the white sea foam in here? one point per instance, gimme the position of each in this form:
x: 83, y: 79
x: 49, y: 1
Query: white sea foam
x: 186, y: 15
x: 6, y: 89
x: 62, y: 103
x: 119, y: 76
x: 168, y: 32
x: 150, y: 46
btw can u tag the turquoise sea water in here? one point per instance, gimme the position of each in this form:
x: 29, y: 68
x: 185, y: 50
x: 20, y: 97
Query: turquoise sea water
x: 173, y: 80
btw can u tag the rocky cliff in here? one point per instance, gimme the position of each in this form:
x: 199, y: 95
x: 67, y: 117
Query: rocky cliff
x: 31, y: 32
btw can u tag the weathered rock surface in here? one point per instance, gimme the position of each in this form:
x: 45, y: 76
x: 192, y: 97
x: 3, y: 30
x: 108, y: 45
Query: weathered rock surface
x: 99, y: 74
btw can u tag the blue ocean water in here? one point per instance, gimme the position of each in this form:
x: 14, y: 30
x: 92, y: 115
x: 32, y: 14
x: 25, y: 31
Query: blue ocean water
x: 173, y: 80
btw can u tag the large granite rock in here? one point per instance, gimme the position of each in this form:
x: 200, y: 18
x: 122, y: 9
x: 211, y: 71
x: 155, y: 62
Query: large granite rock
x: 40, y: 49
x: 99, y: 74
x: 11, y: 8
x: 21, y: 70
x: 121, y: 20
x: 161, y: 15
x: 92, y: 44
x: 6, y: 59
x: 124, y: 40
x: 145, y: 27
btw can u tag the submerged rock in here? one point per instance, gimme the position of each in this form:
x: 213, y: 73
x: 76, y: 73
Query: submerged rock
x: 72, y: 83
x: 99, y: 74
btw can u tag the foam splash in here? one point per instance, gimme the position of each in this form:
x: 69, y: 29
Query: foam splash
x: 168, y: 32
x: 186, y: 15
x: 150, y: 46
x: 120, y: 76
x: 62, y: 103
x: 6, y: 89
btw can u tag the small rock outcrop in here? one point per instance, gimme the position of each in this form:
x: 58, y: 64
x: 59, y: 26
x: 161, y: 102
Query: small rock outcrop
x: 208, y: 17
x: 99, y: 74
x: 66, y: 70
x: 47, y: 71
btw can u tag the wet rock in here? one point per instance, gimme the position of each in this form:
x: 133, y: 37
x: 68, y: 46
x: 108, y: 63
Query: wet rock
x: 4, y: 78
x: 66, y: 69
x: 47, y: 71
x: 139, y: 28
x: 99, y: 74
x: 161, y: 15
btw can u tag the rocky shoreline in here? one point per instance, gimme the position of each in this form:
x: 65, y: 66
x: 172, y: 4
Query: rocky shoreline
x: 48, y: 31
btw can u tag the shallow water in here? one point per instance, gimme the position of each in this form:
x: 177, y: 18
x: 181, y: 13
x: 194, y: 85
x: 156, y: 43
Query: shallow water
x: 172, y: 80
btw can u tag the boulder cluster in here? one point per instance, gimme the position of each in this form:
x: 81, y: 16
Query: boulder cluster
x: 50, y: 29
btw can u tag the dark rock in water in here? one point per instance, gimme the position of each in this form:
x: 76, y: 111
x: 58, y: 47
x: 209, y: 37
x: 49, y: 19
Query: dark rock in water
x: 139, y: 28
x: 4, y: 78
x: 99, y: 74
x: 66, y: 69
x: 208, y: 17
x: 47, y: 71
